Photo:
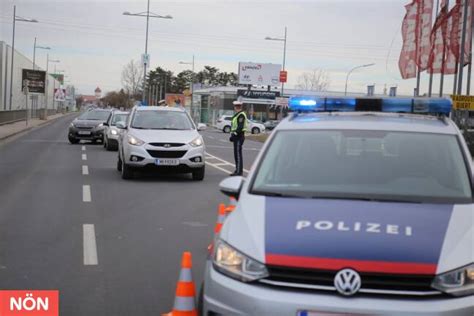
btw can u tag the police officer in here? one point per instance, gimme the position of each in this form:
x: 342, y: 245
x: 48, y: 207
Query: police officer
x: 238, y: 129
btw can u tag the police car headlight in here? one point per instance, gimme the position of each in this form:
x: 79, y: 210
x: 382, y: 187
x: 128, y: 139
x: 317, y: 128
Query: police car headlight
x: 197, y: 142
x: 236, y: 265
x: 132, y: 140
x: 459, y: 282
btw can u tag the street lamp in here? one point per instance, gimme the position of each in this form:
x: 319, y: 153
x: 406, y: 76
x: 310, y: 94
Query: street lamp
x: 20, y: 19
x: 47, y: 83
x: 192, y: 76
x: 268, y: 38
x: 148, y: 15
x: 350, y: 71
x: 34, y: 52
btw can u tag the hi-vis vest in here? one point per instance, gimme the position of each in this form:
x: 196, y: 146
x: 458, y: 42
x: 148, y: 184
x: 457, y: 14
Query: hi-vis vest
x: 235, y: 122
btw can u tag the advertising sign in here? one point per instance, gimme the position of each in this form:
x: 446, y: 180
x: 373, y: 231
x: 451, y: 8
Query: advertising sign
x: 281, y: 102
x: 60, y: 95
x: 463, y: 102
x: 259, y: 74
x: 175, y: 99
x: 35, y: 79
x: 251, y: 94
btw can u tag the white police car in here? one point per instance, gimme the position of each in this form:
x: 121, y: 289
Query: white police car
x: 360, y: 213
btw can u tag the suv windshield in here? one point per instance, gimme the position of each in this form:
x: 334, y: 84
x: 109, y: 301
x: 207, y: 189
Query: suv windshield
x: 95, y: 115
x: 118, y: 118
x: 372, y: 165
x: 170, y: 120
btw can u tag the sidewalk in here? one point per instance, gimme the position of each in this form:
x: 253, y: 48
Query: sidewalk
x: 12, y: 129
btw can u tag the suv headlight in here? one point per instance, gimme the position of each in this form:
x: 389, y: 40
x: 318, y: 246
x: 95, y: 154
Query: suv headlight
x: 237, y: 265
x: 100, y: 126
x: 132, y: 140
x: 72, y: 125
x: 113, y: 131
x: 197, y: 142
x: 459, y: 282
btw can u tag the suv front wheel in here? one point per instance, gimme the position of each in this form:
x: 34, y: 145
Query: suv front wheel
x: 198, y: 174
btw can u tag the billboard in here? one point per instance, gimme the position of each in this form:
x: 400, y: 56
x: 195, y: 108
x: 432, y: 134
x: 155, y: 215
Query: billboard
x: 252, y: 94
x: 175, y: 99
x: 259, y: 74
x: 35, y: 80
x: 60, y: 95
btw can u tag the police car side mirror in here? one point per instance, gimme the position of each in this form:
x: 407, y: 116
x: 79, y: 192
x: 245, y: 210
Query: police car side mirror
x: 232, y: 186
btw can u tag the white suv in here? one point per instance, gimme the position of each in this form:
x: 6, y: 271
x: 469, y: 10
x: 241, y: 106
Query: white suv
x: 225, y: 121
x: 163, y: 139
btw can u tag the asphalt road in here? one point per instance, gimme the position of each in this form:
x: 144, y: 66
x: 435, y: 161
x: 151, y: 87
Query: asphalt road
x: 49, y: 224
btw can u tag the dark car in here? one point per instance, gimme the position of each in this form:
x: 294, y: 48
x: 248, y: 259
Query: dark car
x: 88, y: 126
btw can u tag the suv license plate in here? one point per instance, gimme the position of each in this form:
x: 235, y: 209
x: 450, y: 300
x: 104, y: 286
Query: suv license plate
x: 166, y: 162
x: 84, y: 132
x: 314, y: 313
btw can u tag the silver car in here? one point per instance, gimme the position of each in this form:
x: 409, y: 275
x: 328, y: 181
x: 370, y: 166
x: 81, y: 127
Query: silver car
x: 349, y: 214
x: 162, y: 139
x: 111, y: 132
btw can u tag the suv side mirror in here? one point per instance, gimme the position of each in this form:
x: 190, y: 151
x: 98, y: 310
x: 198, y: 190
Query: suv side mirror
x: 232, y: 186
x: 201, y: 127
x: 121, y: 125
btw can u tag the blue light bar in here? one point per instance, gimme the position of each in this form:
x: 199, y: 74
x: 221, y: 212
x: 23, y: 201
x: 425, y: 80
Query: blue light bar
x: 306, y: 104
x: 434, y: 106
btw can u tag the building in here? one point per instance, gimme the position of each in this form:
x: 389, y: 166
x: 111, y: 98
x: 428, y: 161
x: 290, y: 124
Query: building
x: 18, y: 99
x: 210, y: 103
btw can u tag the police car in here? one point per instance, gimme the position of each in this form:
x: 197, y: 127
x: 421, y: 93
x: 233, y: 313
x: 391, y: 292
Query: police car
x: 360, y: 207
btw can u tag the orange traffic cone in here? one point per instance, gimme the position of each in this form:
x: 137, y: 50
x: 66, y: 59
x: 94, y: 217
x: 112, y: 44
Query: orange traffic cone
x: 232, y: 203
x: 220, y: 218
x: 184, y: 302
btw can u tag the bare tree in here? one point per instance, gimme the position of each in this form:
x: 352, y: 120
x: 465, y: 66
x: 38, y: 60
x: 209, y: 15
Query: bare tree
x: 315, y: 80
x: 132, y: 78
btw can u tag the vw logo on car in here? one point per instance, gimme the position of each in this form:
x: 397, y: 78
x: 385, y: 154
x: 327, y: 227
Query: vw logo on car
x: 347, y: 282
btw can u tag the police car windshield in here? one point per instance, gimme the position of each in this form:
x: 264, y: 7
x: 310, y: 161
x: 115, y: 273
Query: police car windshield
x: 166, y: 120
x: 368, y: 165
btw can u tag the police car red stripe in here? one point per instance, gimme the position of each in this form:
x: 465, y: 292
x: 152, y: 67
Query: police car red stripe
x: 359, y: 265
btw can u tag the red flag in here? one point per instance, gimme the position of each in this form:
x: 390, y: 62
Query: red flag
x: 438, y: 54
x: 416, y: 38
x: 456, y: 32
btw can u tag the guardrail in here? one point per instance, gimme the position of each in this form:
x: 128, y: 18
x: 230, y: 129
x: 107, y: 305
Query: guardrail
x: 13, y: 116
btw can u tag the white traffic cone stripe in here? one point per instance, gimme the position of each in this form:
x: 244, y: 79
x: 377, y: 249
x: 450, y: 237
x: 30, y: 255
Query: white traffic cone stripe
x: 185, y: 275
x: 184, y: 303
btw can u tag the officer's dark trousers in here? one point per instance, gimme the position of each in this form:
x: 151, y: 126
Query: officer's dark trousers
x: 239, y: 164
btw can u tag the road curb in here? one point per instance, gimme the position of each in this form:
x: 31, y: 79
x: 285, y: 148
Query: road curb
x: 28, y: 129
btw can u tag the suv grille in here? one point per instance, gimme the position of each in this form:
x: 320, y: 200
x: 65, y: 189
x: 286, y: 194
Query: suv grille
x: 373, y: 282
x: 167, y: 153
x: 167, y: 144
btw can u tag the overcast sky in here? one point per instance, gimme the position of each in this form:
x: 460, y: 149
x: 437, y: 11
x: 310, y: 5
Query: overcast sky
x: 94, y: 40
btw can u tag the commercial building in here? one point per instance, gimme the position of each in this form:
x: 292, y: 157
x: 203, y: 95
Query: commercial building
x: 18, y: 98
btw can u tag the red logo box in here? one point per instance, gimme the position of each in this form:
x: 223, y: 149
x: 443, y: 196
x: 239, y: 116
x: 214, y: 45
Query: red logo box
x: 29, y: 303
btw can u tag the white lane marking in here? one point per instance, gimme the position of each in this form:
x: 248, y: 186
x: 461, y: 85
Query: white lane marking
x: 83, y: 148
x: 89, y: 245
x: 86, y: 193
x: 85, y: 170
x: 231, y: 148
x: 211, y: 137
x: 217, y: 167
x: 223, y: 140
x: 84, y: 157
x: 222, y: 163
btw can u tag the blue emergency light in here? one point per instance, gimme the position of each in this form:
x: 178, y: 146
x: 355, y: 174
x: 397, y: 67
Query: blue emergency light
x: 433, y: 106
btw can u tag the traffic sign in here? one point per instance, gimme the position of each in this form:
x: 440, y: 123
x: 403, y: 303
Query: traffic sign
x: 145, y: 59
x: 283, y: 76
x: 463, y: 102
